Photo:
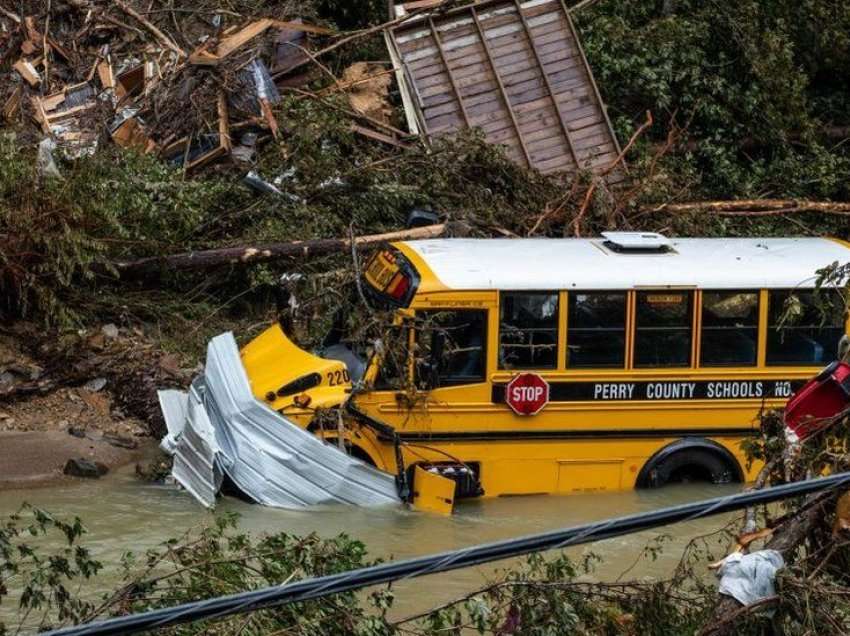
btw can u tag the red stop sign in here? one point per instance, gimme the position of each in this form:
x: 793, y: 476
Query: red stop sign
x: 527, y: 394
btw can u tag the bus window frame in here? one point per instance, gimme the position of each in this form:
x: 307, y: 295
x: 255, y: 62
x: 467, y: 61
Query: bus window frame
x: 563, y: 347
x: 845, y: 326
x: 760, y: 328
x: 558, y: 364
x: 485, y: 346
x: 694, y: 300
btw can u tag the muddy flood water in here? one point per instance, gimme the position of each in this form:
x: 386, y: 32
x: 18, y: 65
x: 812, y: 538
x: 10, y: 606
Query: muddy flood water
x: 123, y: 514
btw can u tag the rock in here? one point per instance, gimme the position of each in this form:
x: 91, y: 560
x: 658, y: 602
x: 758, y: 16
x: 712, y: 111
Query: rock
x: 81, y: 467
x: 170, y: 364
x: 98, y: 402
x: 120, y: 441
x: 77, y: 431
x: 95, y: 385
x: 110, y: 331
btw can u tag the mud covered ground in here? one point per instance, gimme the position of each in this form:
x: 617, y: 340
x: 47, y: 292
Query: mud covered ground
x: 53, y: 410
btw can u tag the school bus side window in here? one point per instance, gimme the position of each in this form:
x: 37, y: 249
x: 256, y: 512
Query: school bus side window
x: 804, y: 328
x: 450, y: 347
x: 730, y: 321
x: 663, y: 329
x: 528, y: 330
x: 596, y: 330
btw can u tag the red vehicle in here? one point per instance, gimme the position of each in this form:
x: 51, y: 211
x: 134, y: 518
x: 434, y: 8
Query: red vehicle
x: 819, y: 400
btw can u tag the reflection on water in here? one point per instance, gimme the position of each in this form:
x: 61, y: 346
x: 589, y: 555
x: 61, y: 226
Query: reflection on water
x: 123, y: 514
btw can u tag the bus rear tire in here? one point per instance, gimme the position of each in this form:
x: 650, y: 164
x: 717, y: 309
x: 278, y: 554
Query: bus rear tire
x: 687, y: 461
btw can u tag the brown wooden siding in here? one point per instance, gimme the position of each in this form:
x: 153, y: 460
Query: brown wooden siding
x: 516, y: 70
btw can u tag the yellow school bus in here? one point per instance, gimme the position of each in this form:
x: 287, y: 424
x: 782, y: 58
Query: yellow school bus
x: 525, y: 366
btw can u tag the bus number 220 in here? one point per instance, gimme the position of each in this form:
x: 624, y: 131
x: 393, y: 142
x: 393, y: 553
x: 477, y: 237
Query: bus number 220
x: 340, y: 376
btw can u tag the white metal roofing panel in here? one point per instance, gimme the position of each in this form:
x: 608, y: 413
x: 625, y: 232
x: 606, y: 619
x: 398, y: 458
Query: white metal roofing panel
x: 270, y: 458
x: 526, y: 264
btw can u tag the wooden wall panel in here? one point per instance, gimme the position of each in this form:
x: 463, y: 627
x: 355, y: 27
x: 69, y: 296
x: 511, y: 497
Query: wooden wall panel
x: 516, y: 70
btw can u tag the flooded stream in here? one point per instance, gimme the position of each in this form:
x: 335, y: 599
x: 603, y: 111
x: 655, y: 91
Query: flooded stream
x: 123, y: 514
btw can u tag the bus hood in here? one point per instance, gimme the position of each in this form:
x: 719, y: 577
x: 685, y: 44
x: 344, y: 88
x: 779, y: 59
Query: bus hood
x: 290, y: 380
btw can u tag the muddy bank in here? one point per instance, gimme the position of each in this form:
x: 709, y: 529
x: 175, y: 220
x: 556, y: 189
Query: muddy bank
x: 30, y: 459
x: 48, y: 417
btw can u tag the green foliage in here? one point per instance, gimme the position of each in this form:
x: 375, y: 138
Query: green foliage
x: 220, y: 560
x: 43, y: 580
x: 354, y: 14
x: 59, y: 232
x: 753, y: 82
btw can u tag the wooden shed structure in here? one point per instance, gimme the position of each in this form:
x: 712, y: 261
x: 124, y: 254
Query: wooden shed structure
x: 515, y: 69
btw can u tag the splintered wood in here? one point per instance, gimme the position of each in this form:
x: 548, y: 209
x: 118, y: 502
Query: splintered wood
x: 514, y: 69
x: 235, y: 41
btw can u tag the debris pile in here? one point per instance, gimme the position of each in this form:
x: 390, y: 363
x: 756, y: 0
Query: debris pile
x: 189, y: 84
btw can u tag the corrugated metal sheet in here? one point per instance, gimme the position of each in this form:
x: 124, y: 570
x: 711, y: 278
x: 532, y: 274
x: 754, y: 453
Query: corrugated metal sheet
x: 517, y: 71
x: 220, y: 428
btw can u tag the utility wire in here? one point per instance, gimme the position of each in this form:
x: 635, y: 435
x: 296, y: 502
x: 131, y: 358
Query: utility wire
x: 431, y: 564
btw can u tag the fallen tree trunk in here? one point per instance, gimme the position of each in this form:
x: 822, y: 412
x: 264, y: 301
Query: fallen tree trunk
x: 250, y: 254
x: 754, y: 207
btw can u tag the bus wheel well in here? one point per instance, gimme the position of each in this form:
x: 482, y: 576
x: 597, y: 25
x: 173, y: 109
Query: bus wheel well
x: 358, y: 453
x: 690, y: 459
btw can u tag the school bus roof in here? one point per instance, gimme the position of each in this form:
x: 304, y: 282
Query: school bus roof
x: 544, y: 264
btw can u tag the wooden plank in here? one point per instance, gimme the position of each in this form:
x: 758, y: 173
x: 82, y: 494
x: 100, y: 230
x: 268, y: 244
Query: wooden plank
x: 541, y: 9
x: 529, y: 99
x: 556, y: 164
x: 27, y: 70
x: 434, y: 76
x: 591, y: 117
x: 554, y: 154
x: 549, y: 33
x: 558, y: 45
x: 450, y: 106
x: 594, y: 130
x: 524, y: 80
x: 378, y: 136
x: 500, y: 125
x: 453, y: 121
x: 448, y: 71
x: 224, y: 122
x: 539, y: 123
x: 542, y: 133
x: 554, y: 57
x: 486, y: 119
x: 547, y: 143
x: 479, y: 113
x: 600, y: 144
x: 578, y: 108
x: 230, y: 44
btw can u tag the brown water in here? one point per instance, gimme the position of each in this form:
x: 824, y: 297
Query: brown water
x: 123, y: 514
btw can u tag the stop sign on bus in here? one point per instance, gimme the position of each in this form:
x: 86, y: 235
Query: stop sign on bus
x: 527, y: 394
